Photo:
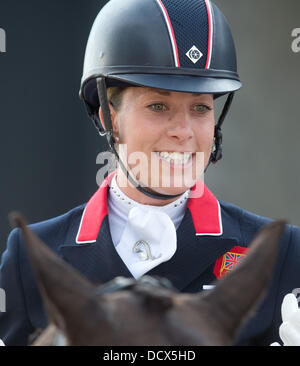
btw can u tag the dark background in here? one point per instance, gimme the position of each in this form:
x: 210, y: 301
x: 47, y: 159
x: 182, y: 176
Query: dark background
x: 48, y: 145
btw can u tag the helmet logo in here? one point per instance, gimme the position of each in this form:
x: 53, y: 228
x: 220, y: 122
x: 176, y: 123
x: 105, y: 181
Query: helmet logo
x: 194, y: 54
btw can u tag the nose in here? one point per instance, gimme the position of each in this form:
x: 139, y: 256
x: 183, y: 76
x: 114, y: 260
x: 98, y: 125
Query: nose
x: 180, y: 127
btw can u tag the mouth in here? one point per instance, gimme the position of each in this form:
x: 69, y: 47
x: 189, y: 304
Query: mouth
x: 174, y: 157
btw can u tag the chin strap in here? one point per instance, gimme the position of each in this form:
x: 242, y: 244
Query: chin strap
x: 108, y: 133
x: 217, y: 152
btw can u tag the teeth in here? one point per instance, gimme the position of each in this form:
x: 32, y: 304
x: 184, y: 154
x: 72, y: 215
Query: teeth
x: 175, y: 157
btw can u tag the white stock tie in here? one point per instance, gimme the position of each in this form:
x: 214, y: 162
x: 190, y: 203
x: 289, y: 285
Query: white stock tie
x: 149, y: 238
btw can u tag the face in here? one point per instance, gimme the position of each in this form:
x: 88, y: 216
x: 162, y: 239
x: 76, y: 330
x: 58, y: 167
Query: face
x: 167, y: 136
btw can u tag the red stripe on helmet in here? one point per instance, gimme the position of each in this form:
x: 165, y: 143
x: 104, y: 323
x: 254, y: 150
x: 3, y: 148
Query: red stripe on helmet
x: 210, y: 30
x: 171, y: 33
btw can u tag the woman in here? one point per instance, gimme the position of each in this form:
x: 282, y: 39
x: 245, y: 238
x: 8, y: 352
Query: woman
x: 152, y: 71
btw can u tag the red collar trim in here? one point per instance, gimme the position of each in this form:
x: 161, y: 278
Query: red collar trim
x: 205, y: 211
x: 94, y: 213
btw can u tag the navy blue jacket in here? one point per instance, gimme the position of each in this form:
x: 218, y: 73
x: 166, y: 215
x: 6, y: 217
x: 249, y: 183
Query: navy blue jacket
x: 209, y: 230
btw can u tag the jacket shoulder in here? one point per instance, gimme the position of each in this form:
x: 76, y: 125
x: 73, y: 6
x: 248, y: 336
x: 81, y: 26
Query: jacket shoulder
x: 247, y: 223
x: 244, y: 215
x: 54, y: 231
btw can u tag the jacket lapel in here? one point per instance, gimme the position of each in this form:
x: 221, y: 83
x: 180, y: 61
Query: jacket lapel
x: 98, y: 261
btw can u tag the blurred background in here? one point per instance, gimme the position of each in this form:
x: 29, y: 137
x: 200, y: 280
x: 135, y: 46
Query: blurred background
x: 48, y: 145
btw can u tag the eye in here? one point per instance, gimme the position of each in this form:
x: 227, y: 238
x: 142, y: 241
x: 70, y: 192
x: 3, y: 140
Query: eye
x: 157, y: 107
x: 202, y: 108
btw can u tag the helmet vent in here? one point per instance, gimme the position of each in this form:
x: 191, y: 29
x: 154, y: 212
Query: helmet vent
x: 191, y: 27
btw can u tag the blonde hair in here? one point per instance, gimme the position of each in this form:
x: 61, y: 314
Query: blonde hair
x: 114, y: 96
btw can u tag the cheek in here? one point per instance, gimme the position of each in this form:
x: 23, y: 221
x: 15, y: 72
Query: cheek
x: 205, y: 134
x: 139, y: 133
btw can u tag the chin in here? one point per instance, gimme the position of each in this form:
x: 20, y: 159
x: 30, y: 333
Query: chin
x: 173, y: 189
x: 170, y: 191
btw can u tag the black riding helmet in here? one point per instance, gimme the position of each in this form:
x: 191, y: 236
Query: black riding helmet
x: 176, y: 45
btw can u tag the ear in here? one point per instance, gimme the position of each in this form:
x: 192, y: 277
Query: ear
x: 112, y: 116
x: 235, y: 298
x: 67, y: 294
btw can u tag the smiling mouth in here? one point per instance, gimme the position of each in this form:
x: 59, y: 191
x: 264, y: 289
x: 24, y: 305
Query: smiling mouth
x: 175, y: 157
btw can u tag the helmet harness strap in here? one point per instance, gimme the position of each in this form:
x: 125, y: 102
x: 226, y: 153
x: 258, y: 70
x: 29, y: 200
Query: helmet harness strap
x: 108, y: 133
x: 217, y: 153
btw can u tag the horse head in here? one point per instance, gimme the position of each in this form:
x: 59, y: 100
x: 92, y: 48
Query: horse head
x: 149, y: 311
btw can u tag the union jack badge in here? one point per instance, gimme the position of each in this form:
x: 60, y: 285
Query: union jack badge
x: 228, y: 261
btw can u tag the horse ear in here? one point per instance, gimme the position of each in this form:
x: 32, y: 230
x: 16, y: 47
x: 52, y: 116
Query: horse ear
x: 65, y: 292
x: 238, y: 294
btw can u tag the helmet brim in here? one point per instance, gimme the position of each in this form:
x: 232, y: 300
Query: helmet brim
x: 179, y: 83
